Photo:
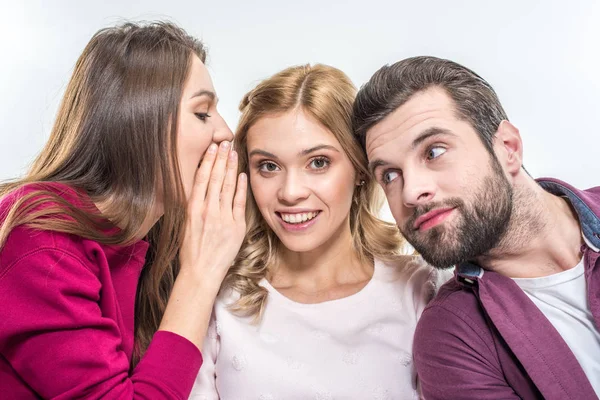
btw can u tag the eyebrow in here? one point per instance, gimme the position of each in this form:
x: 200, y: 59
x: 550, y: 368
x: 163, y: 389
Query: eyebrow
x: 261, y: 153
x: 377, y: 163
x: 317, y: 148
x: 203, y: 92
x: 427, y: 133
x: 423, y: 136
x: 304, y: 152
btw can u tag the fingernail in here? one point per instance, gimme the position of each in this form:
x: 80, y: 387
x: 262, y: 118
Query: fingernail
x: 243, y: 176
x: 225, y: 145
x: 233, y: 155
x: 212, y: 148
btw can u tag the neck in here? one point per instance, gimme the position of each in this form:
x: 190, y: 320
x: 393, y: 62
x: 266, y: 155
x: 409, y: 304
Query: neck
x: 543, y: 236
x: 335, y: 262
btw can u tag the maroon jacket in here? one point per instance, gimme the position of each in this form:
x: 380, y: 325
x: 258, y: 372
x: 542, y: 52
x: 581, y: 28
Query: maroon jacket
x: 483, y: 338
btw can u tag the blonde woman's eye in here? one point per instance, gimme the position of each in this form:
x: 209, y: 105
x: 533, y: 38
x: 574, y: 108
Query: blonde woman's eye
x: 268, y: 167
x: 319, y: 163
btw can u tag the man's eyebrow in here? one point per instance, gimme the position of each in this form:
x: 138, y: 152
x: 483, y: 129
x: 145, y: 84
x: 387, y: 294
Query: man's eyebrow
x: 373, y: 165
x: 261, y: 153
x: 317, y: 148
x: 423, y: 136
x: 427, y: 133
x: 204, y: 92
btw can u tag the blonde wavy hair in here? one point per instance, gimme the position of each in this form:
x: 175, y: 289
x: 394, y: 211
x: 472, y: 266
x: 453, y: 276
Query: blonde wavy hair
x: 326, y: 94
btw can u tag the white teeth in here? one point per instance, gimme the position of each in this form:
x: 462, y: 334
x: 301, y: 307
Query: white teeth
x: 298, y: 218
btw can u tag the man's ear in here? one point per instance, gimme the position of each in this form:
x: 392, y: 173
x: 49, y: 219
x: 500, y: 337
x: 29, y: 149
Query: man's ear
x: 508, y: 147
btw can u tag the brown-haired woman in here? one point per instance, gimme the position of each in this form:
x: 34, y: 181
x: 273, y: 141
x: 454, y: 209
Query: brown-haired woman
x: 320, y: 302
x: 118, y: 185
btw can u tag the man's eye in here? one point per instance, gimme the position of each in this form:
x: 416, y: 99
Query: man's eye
x: 268, y: 167
x: 435, y: 152
x: 389, y: 176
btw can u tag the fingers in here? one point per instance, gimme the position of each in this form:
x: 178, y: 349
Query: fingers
x: 229, y: 182
x: 202, y: 177
x: 217, y: 175
x: 239, y: 202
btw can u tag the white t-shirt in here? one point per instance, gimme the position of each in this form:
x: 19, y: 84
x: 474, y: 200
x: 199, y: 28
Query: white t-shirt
x: 562, y: 297
x: 357, y: 347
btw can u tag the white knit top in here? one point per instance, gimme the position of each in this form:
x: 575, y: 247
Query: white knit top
x: 357, y: 347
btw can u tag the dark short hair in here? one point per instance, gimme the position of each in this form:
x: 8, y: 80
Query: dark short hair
x: 393, y: 85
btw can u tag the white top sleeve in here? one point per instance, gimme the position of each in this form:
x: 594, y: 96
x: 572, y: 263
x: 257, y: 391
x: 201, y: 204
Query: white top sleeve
x: 205, y: 387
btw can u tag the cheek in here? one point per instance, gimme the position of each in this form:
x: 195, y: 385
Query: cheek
x: 192, y: 142
x: 459, y: 182
x: 396, y: 205
x: 336, y: 189
x: 264, y: 190
x: 194, y: 138
x: 393, y: 196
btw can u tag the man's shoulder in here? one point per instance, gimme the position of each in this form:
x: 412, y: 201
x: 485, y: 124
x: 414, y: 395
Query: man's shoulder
x: 454, y: 347
x: 455, y: 311
x: 451, y: 295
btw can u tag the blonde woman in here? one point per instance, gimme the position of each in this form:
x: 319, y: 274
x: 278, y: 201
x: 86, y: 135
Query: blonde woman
x: 319, y: 304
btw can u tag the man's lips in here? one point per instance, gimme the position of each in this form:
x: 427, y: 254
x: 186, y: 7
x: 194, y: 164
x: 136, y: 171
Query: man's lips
x: 432, y: 218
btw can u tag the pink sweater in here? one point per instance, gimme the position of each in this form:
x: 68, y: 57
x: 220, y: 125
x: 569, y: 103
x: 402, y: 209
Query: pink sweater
x: 67, y: 319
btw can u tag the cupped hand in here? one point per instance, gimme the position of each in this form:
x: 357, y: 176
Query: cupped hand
x: 215, y: 225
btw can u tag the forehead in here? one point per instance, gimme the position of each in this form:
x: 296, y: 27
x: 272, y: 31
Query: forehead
x: 425, y: 109
x: 198, y: 78
x: 289, y: 131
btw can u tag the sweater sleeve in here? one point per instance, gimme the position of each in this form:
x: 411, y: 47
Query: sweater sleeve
x: 205, y: 387
x: 454, y: 361
x: 53, y: 334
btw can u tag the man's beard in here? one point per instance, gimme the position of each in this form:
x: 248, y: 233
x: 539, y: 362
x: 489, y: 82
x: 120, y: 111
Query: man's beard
x: 481, y: 224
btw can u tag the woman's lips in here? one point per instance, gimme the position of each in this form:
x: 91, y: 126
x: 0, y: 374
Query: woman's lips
x: 293, y: 216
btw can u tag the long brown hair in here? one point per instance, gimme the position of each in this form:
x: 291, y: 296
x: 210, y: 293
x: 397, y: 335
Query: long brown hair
x: 115, y: 139
x: 326, y: 94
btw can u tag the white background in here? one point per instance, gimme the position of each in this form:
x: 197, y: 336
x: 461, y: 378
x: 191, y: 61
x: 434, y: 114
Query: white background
x: 542, y: 57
